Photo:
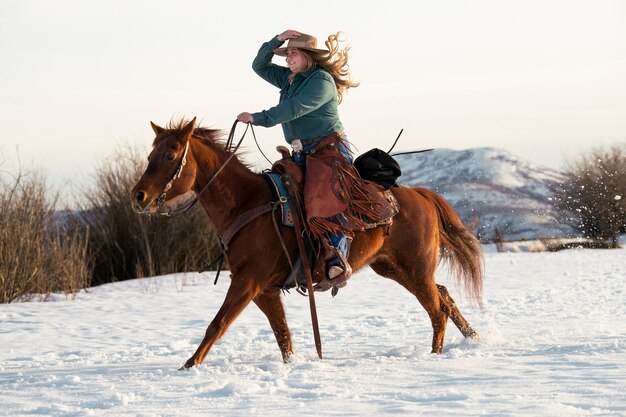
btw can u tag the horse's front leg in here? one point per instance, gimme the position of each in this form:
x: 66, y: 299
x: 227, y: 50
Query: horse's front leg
x: 270, y: 303
x: 239, y: 295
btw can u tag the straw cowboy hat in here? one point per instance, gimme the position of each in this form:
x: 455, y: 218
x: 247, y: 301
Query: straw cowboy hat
x: 304, y: 41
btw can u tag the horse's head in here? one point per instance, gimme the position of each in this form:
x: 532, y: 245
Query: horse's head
x: 169, y: 178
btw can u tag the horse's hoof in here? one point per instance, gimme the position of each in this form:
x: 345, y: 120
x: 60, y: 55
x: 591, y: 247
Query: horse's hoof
x: 189, y: 364
x: 470, y: 333
x: 474, y: 335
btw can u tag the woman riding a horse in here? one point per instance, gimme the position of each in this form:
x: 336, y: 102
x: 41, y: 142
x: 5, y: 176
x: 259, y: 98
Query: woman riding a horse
x: 311, y: 88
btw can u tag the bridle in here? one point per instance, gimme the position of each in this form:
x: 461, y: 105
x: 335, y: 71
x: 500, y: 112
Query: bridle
x: 162, y: 196
x: 176, y: 175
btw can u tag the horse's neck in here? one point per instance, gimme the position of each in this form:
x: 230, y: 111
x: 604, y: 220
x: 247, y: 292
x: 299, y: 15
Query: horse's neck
x: 233, y: 191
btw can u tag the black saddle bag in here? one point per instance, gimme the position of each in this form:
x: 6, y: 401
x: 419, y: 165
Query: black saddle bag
x: 378, y: 166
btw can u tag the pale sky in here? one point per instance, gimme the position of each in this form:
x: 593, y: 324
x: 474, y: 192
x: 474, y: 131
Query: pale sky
x: 545, y: 79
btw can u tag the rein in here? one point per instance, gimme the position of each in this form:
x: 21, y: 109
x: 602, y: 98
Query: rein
x: 183, y: 161
x: 242, y: 220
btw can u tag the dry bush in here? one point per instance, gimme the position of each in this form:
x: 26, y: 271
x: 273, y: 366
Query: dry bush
x: 38, y: 254
x: 124, y: 244
x: 593, y: 194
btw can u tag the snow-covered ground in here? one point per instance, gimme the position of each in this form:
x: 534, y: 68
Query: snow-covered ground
x: 553, y: 344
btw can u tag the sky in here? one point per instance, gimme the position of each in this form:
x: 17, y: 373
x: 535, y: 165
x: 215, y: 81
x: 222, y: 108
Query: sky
x: 80, y: 79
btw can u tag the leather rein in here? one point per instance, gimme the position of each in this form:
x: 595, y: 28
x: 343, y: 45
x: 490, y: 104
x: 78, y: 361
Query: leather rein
x: 241, y: 220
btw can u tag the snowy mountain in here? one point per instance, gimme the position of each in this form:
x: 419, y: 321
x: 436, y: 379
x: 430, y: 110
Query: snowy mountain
x: 492, y: 186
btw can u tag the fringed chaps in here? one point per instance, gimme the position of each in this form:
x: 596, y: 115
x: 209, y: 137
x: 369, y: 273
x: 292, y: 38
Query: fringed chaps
x: 336, y: 199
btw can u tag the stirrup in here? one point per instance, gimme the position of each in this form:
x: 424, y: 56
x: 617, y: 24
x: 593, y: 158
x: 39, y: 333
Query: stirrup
x: 338, y: 271
x: 334, y: 271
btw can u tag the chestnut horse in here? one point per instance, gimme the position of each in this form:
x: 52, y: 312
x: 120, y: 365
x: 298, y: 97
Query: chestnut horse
x: 424, y: 231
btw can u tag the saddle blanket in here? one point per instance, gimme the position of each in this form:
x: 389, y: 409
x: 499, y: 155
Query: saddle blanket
x: 278, y: 191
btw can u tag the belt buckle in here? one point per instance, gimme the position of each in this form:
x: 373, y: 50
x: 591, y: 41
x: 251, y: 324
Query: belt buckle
x: 296, y: 144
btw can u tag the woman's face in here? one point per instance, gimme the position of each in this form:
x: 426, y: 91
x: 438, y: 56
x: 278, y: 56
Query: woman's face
x: 295, y: 60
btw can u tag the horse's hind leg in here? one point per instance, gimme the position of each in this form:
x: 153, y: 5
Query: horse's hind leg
x: 422, y: 285
x: 457, y: 318
x: 428, y: 296
x: 271, y: 305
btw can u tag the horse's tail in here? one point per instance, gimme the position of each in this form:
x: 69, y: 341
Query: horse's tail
x: 459, y: 247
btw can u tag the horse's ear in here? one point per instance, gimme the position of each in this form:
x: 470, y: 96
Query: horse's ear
x: 157, y: 129
x: 187, y: 130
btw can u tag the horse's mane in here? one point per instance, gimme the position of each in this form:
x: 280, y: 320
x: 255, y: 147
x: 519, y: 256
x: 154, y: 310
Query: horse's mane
x: 208, y: 136
x: 204, y: 134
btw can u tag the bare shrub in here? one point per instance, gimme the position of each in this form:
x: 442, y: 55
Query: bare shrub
x: 70, y: 258
x: 38, y: 255
x: 593, y: 194
x: 126, y: 245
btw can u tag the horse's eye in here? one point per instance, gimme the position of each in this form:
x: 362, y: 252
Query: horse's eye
x: 170, y: 157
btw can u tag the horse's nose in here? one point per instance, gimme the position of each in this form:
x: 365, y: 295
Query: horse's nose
x: 140, y: 196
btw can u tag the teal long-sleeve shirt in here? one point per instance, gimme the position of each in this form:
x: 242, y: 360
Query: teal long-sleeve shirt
x: 307, y: 108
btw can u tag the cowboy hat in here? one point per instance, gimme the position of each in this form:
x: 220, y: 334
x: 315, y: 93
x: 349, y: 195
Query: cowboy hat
x: 304, y: 41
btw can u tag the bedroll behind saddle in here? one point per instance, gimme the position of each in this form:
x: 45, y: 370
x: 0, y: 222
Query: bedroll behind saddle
x: 378, y: 166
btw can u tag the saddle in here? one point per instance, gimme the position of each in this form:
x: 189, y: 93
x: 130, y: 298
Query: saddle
x: 333, y: 198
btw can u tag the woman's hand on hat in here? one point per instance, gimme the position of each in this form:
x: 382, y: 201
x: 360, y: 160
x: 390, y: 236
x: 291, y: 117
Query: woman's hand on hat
x: 245, y: 117
x: 288, y: 34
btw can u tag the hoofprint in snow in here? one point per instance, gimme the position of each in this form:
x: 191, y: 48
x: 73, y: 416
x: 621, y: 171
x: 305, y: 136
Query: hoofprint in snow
x: 553, y: 343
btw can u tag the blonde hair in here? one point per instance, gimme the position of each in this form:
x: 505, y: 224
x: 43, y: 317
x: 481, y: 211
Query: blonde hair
x: 335, y: 62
